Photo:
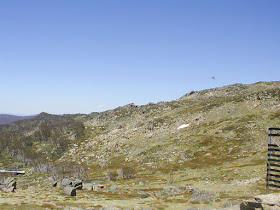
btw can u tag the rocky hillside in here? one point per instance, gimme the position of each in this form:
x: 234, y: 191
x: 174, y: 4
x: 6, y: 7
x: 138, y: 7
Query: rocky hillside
x: 205, y: 138
x: 222, y: 124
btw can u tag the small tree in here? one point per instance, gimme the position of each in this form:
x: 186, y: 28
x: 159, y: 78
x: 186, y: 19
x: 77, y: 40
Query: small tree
x: 67, y: 170
x: 126, y: 172
x: 111, y: 175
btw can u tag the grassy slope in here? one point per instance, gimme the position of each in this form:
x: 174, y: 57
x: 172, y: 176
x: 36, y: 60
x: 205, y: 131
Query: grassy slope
x: 224, y: 145
x: 223, y: 150
x: 222, y: 121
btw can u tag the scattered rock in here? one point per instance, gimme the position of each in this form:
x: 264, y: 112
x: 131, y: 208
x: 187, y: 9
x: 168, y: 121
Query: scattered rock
x: 190, y: 93
x: 98, y: 187
x: 110, y: 208
x: 202, y: 196
x: 232, y: 205
x: 88, y: 186
x: 143, y: 111
x: 25, y: 186
x: 199, y: 208
x: 173, y: 191
x: 114, y: 187
x: 130, y: 106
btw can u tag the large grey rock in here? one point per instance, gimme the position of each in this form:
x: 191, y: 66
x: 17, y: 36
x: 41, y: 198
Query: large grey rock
x: 66, y: 182
x: 11, y: 183
x: 273, y: 199
x: 8, y: 185
x: 264, y: 202
x: 78, y: 184
x: 250, y: 205
x: 69, y: 191
x: 8, y: 189
x: 54, y: 183
x: 73, y: 182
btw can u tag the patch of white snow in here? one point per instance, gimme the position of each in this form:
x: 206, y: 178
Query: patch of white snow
x: 183, y: 126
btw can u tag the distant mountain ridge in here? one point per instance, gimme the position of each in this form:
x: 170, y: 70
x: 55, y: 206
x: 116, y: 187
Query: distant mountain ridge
x: 7, y: 118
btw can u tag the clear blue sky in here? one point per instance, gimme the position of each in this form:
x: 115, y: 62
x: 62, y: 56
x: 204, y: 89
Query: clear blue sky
x: 71, y: 56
